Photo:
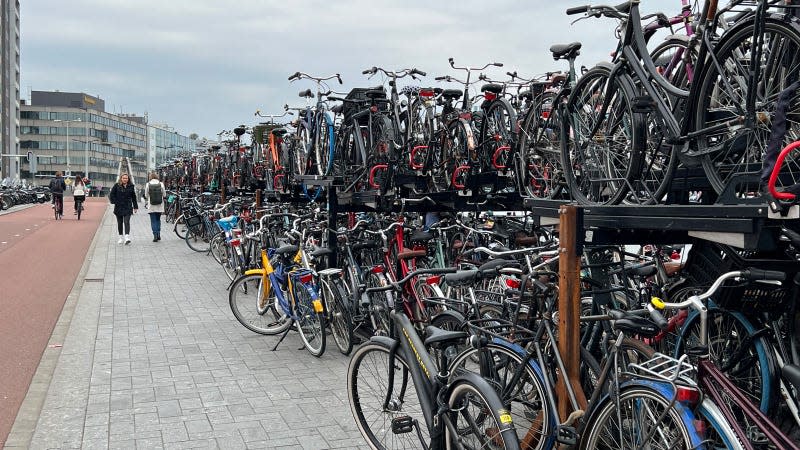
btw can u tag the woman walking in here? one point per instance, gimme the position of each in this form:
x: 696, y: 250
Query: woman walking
x: 123, y: 197
x: 154, y: 193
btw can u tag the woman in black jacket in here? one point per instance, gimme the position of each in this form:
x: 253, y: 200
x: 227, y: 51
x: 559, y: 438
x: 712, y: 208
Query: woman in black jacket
x: 123, y: 197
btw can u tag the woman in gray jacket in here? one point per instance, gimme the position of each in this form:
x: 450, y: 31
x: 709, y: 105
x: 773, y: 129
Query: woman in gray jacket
x: 155, y: 194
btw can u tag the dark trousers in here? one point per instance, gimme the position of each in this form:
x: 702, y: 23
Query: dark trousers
x: 76, y: 198
x: 126, y: 220
x: 155, y: 222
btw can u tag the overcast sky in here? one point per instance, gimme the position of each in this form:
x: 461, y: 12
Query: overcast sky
x: 207, y: 65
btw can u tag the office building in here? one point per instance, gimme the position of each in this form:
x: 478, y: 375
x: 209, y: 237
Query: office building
x: 9, y: 89
x: 165, y: 144
x: 71, y: 132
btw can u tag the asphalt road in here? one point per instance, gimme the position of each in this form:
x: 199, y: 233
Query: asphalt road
x: 39, y: 262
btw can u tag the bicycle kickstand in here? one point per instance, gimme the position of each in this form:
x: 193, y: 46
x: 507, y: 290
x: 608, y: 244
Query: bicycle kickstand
x: 283, y: 336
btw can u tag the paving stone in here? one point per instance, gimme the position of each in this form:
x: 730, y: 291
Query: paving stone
x: 156, y: 359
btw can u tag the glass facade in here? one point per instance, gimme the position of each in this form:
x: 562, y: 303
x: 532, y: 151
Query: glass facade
x: 104, y: 138
x: 166, y: 145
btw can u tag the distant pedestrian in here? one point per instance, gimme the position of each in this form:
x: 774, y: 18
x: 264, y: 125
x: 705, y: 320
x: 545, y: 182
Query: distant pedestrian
x: 78, y: 192
x: 154, y: 193
x: 123, y: 197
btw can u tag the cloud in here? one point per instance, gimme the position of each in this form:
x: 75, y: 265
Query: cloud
x: 206, y: 65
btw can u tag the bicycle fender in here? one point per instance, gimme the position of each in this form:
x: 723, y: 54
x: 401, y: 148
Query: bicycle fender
x: 665, y: 389
x: 385, y: 341
x: 506, y: 423
x: 454, y: 314
x: 254, y: 272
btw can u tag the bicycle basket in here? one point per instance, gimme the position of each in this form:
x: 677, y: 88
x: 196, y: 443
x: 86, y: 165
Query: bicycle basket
x: 349, y: 109
x: 708, y: 260
x: 195, y: 223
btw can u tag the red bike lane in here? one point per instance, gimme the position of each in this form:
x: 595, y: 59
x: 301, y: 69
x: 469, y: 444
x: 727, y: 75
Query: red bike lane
x: 40, y: 258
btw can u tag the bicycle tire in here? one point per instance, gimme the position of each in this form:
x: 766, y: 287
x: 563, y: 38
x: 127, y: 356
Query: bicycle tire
x: 755, y: 363
x: 218, y: 247
x: 527, y: 401
x: 489, y: 418
x: 600, y: 168
x: 340, y: 320
x: 243, y: 298
x: 741, y: 150
x: 498, y: 130
x: 380, y: 303
x: 540, y: 171
x: 366, y: 396
x: 677, y: 426
x: 230, y: 263
x: 180, y: 228
x: 310, y: 321
x: 198, y: 240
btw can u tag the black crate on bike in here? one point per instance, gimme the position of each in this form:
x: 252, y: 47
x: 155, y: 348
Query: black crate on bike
x: 708, y: 260
x: 194, y: 223
x: 349, y: 109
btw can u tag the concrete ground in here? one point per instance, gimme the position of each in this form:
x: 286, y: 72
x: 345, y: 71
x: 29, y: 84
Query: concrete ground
x: 151, y: 356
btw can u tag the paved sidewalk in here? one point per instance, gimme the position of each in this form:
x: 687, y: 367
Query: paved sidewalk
x: 154, y: 358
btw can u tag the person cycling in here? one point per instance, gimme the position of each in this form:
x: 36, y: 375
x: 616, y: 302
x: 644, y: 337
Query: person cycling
x: 79, y: 192
x: 57, y: 188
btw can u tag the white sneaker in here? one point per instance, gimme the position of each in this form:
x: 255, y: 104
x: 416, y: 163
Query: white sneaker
x: 119, y: 241
x: 127, y: 239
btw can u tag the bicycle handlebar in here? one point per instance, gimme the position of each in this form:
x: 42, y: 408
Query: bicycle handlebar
x: 398, y: 285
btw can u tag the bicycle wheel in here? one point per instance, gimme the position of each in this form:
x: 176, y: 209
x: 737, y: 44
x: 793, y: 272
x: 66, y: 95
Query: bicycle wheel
x: 230, y: 261
x: 218, y: 247
x: 602, y: 139
x: 339, y: 317
x: 180, y: 227
x: 310, y: 318
x: 380, y: 303
x: 367, y: 388
x: 526, y: 400
x: 499, y: 136
x: 458, y: 148
x: 723, y: 96
x: 257, y: 310
x: 198, y: 240
x: 540, y: 174
x: 322, y: 146
x: 625, y: 420
x: 480, y: 419
x: 742, y: 360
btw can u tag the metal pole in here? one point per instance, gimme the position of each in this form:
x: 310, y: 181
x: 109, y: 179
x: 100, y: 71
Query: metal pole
x: 69, y: 171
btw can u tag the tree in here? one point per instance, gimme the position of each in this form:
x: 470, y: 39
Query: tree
x: 193, y: 136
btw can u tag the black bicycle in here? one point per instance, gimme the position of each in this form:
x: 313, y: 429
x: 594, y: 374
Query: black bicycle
x: 394, y: 386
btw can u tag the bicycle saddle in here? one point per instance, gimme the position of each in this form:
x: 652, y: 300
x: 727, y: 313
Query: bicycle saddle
x: 461, y: 278
x: 452, y: 94
x: 525, y: 240
x: 375, y: 94
x: 421, y: 236
x: 438, y: 338
x: 337, y: 109
x: 791, y: 373
x: 646, y: 271
x: 492, y: 87
x: 279, y: 131
x: 497, y: 264
x: 368, y: 244
x: 286, y: 250
x: 565, y: 51
x: 408, y: 254
x: 640, y: 326
x: 306, y: 94
x: 321, y: 251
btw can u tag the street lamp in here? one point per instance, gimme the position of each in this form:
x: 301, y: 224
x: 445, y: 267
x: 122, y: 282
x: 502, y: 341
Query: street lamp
x: 69, y: 168
x: 88, y: 144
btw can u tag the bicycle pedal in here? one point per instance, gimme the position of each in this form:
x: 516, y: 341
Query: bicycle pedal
x: 402, y: 425
x: 567, y: 435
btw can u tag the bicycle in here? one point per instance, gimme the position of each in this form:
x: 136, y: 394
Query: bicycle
x: 58, y: 206
x: 733, y: 403
x: 606, y: 139
x: 458, y: 412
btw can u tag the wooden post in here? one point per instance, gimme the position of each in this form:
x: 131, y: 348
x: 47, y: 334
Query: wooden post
x: 258, y: 204
x: 569, y: 307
